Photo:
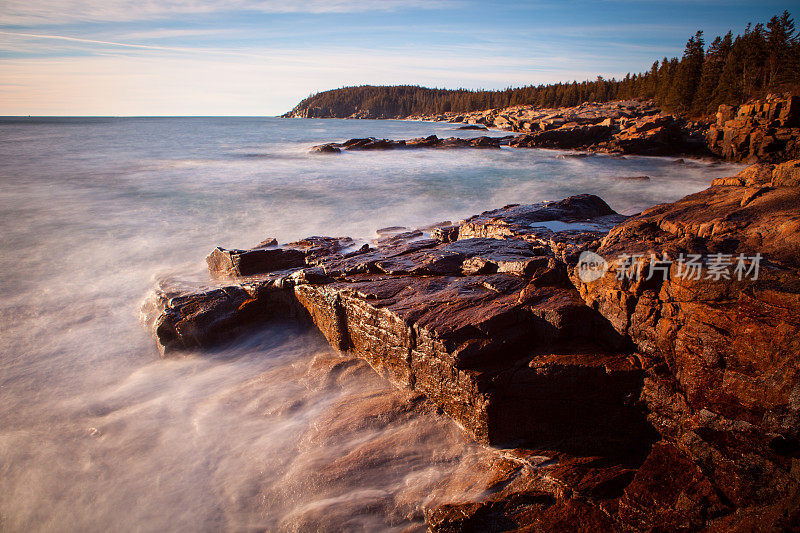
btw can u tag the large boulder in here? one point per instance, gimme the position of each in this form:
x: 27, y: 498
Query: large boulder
x: 486, y: 324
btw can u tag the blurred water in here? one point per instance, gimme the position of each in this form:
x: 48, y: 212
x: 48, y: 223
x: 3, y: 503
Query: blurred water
x: 97, y: 433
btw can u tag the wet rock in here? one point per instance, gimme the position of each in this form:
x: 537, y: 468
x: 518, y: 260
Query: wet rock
x: 490, y: 322
x: 266, y: 257
x: 569, y: 136
x: 423, y: 142
x: 325, y: 149
x: 222, y: 262
x: 670, y: 493
x: 564, y: 228
x: 464, y: 322
x: 615, y: 127
x: 204, y: 318
x: 315, y: 248
x: 657, y: 135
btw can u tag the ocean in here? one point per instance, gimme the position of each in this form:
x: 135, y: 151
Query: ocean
x: 276, y: 432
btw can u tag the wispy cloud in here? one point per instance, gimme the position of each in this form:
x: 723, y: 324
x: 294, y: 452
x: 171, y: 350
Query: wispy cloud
x: 95, y: 41
x: 176, y: 33
x: 26, y: 12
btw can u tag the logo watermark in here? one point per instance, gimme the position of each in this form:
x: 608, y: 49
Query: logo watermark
x: 591, y: 267
x: 716, y: 267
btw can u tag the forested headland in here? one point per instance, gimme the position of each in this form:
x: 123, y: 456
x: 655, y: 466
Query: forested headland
x: 730, y: 70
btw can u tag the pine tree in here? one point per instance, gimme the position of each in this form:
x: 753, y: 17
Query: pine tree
x: 704, y: 99
x: 781, y: 44
x: 687, y: 78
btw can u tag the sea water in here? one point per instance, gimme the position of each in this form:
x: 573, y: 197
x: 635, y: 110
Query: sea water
x: 276, y: 431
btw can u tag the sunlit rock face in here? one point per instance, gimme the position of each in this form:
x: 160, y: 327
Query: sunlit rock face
x: 611, y: 399
x: 760, y: 130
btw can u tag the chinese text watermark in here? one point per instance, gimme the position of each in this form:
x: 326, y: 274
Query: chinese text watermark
x: 635, y: 267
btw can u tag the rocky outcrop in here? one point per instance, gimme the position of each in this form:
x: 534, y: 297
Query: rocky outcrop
x: 371, y: 143
x: 530, y: 118
x: 760, y: 130
x: 764, y: 130
x: 660, y: 402
x: 722, y: 351
x: 610, y: 128
x: 630, y: 127
x: 477, y: 323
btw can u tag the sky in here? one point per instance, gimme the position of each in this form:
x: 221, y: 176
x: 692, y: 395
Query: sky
x: 261, y: 57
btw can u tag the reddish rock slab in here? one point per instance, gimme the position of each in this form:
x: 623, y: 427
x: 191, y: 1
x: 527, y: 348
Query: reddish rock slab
x: 472, y: 323
x: 489, y: 320
x: 722, y: 352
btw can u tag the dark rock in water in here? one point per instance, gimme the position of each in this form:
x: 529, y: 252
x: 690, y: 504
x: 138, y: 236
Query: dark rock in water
x: 207, y: 318
x: 265, y: 258
x: 472, y: 127
x: 326, y: 149
x: 317, y: 247
x: 658, y: 404
x: 646, y: 134
x: 633, y: 178
x: 466, y: 322
x: 568, y: 136
x: 422, y: 142
x: 223, y: 262
x: 445, y: 233
x: 390, y: 231
x: 485, y: 142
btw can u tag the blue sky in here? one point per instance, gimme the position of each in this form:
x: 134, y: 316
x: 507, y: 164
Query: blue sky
x: 260, y: 57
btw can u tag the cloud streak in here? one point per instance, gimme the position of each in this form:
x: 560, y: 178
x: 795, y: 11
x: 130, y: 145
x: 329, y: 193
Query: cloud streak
x: 26, y: 12
x: 95, y: 41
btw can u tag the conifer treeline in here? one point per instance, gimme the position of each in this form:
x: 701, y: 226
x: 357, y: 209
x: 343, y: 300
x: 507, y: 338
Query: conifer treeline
x: 730, y: 71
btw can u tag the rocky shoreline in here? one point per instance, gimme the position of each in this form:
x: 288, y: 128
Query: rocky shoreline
x: 617, y: 403
x: 761, y: 130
